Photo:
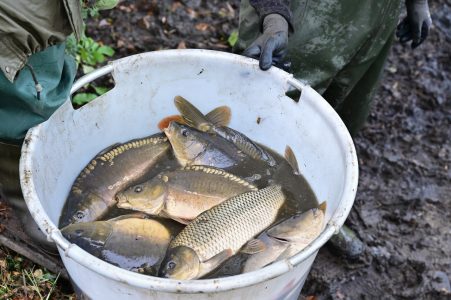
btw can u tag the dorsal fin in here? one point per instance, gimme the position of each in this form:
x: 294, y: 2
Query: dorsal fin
x: 220, y: 116
x: 193, y: 117
x: 136, y: 143
x: 323, y: 206
x: 291, y: 158
x: 107, y: 149
x: 226, y: 175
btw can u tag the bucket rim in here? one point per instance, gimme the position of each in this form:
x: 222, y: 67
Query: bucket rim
x: 202, y: 285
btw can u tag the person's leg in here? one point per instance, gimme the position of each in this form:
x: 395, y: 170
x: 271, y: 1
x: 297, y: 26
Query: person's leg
x: 351, y: 92
x: 339, y: 48
x: 20, y: 109
x: 11, y: 191
x: 354, y: 109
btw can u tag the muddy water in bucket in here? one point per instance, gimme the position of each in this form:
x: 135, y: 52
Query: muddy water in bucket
x: 299, y: 198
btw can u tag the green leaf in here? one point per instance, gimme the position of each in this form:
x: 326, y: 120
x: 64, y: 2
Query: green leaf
x: 101, y: 89
x: 83, y: 98
x: 87, y: 69
x: 106, y: 4
x: 93, y: 12
x: 106, y: 50
x: 84, y: 55
x: 98, y: 57
x: 233, y: 38
x: 94, y: 46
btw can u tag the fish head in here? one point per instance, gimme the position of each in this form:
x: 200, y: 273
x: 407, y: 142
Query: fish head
x: 92, y: 208
x: 301, y: 227
x: 90, y: 236
x: 187, y: 142
x: 147, y: 197
x: 180, y: 263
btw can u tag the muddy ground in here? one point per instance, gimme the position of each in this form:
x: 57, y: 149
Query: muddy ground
x: 403, y: 207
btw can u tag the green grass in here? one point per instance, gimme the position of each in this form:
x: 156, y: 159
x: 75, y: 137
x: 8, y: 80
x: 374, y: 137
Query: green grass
x: 21, y: 279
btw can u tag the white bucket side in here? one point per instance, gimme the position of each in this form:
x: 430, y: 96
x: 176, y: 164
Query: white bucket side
x: 45, y: 203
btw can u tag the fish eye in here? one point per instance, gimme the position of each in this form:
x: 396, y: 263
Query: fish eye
x: 138, y: 189
x: 78, y: 232
x: 79, y: 215
x: 184, y: 132
x: 171, y: 265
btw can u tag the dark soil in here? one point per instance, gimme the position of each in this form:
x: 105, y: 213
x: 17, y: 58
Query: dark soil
x: 403, y: 207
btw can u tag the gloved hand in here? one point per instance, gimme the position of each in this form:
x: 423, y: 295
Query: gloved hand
x: 271, y: 46
x: 416, y: 25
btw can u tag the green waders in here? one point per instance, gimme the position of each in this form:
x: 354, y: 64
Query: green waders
x: 337, y: 47
x: 20, y: 110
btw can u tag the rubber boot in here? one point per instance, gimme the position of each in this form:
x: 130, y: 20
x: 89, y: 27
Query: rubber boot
x: 12, y: 192
x: 346, y: 243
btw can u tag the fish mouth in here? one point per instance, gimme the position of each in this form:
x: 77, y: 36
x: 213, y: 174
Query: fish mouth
x: 122, y: 201
x: 170, y: 129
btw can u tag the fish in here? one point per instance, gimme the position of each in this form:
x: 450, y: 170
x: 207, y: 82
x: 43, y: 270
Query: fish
x: 183, y: 194
x: 300, y: 196
x: 218, y: 233
x: 209, y: 123
x: 194, y: 147
x: 284, y: 239
x: 112, y: 170
x: 132, y: 242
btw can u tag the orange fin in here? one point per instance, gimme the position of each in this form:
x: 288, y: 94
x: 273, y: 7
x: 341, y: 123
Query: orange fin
x: 165, y: 122
x: 220, y: 116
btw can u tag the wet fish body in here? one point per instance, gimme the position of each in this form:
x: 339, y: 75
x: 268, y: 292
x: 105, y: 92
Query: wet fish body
x: 183, y: 194
x: 220, y: 232
x: 286, y: 238
x: 209, y: 123
x: 194, y: 147
x: 112, y: 170
x: 133, y: 242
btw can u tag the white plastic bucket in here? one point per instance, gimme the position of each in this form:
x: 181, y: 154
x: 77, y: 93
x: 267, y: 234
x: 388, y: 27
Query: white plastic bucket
x: 55, y: 151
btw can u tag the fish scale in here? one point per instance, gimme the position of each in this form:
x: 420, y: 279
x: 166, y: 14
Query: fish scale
x: 232, y: 223
x: 110, y: 171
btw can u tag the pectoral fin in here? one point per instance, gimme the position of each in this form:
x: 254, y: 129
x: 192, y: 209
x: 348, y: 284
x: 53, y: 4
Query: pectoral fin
x: 214, y: 262
x: 163, y: 214
x: 180, y: 220
x: 128, y: 216
x: 253, y: 246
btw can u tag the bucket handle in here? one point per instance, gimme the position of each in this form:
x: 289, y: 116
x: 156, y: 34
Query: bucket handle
x: 295, y: 83
x: 91, y: 77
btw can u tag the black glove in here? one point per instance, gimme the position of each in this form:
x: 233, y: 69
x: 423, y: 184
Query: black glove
x: 271, y: 46
x: 416, y: 25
